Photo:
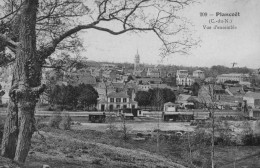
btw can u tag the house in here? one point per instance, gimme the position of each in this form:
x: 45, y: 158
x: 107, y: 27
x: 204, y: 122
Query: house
x: 232, y: 77
x: 183, y: 80
x: 255, y: 113
x: 145, y: 81
x: 153, y: 72
x: 104, y: 88
x: 118, y: 86
x: 144, y: 87
x: 252, y: 99
x: 169, y: 106
x: 209, y: 93
x: 228, y: 101
x: 235, y: 91
x: 210, y: 80
x: 182, y: 72
x: 185, y: 101
x: 199, y: 74
x: 110, y: 75
x: 140, y: 73
x: 245, y: 83
x: 164, y: 73
x: 108, y: 66
x: 116, y: 101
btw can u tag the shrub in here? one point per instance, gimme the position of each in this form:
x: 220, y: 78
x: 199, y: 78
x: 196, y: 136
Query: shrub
x: 202, y: 137
x: 55, y: 120
x: 251, y: 140
x: 65, y: 123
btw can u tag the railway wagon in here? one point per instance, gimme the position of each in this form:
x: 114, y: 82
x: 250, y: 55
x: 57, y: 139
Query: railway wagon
x: 97, y: 117
x: 178, y: 116
x: 128, y: 113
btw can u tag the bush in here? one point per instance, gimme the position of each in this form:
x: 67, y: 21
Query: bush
x: 251, y: 140
x: 65, y: 123
x: 55, y: 120
x: 202, y: 137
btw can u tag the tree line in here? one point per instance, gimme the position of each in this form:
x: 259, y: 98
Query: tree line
x: 62, y: 97
x: 155, y: 98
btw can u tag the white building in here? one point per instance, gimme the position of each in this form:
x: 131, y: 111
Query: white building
x: 252, y: 99
x: 182, y: 72
x: 144, y: 87
x: 183, y: 78
x: 116, y: 101
x: 232, y: 77
x: 199, y: 74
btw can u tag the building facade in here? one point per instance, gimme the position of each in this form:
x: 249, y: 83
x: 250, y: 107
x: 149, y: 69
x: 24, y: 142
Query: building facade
x: 153, y: 72
x: 182, y: 72
x: 183, y: 80
x: 252, y: 99
x: 116, y: 101
x: 232, y: 77
x: 199, y: 74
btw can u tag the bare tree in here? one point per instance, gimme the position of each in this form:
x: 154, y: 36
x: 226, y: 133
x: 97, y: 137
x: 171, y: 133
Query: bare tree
x: 35, y: 30
x: 209, y: 100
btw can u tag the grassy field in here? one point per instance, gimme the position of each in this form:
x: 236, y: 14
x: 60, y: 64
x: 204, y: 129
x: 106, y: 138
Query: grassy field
x: 91, y: 148
x: 95, y: 145
x: 77, y: 148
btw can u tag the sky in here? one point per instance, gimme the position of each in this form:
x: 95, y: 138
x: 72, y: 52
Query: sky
x: 217, y: 47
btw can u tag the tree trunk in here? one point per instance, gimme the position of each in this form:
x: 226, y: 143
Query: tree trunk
x: 25, y: 89
x: 26, y: 129
x: 10, y: 134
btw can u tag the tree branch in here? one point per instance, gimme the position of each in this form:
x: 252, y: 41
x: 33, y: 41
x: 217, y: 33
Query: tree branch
x: 6, y: 42
x: 104, y: 8
x: 132, y: 11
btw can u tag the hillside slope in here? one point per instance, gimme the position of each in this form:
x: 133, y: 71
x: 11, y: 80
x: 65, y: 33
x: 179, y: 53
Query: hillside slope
x: 64, y: 149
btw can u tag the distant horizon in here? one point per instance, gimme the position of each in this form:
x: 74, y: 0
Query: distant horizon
x: 171, y: 64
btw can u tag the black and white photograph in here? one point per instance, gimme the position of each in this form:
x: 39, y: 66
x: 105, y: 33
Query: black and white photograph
x: 129, y: 84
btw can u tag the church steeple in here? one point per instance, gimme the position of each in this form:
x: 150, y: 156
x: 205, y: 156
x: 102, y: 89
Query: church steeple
x: 137, y: 60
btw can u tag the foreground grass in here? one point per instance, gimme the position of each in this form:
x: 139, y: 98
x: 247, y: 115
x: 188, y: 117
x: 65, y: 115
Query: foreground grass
x: 89, y: 148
